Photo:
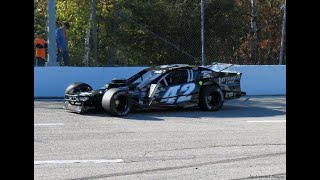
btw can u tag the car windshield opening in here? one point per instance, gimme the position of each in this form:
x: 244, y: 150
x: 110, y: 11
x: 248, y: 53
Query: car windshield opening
x: 146, y: 78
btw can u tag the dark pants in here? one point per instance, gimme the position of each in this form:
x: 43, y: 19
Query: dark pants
x: 65, y: 56
x: 40, y: 61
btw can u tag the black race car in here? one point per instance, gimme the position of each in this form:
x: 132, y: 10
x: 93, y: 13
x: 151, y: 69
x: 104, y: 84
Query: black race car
x: 165, y: 86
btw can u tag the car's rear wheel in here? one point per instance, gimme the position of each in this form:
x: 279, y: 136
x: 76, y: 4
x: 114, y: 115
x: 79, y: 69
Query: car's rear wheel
x: 77, y: 87
x: 211, y: 98
x: 117, y: 102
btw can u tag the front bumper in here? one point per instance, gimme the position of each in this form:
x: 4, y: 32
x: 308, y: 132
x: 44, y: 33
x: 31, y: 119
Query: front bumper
x: 82, y: 102
x: 77, y: 107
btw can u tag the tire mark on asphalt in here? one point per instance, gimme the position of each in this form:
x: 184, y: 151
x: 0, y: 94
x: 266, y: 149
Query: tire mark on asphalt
x: 245, y: 100
x: 233, y: 145
x: 180, y: 167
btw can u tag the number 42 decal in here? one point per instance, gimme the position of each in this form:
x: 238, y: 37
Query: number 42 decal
x: 186, y: 89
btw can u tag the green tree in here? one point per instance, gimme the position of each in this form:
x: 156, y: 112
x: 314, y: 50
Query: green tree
x: 153, y: 32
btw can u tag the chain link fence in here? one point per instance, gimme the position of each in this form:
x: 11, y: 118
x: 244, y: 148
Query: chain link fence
x: 131, y: 33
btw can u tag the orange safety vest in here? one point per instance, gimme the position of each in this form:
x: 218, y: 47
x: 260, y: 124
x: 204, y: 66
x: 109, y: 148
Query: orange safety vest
x: 40, y: 52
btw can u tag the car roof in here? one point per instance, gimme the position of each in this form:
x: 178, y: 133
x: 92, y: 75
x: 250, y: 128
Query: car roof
x: 171, y: 66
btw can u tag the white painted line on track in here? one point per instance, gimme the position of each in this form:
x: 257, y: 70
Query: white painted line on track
x: 269, y: 121
x: 49, y: 124
x: 78, y: 161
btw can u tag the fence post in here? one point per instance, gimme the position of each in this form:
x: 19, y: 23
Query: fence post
x: 52, y: 47
x: 87, y: 40
x: 254, y: 31
x: 202, y: 34
x: 95, y: 39
x: 282, y: 33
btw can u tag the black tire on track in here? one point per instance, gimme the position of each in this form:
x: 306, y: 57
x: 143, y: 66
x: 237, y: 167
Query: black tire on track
x: 211, y: 98
x: 77, y: 87
x: 117, y: 102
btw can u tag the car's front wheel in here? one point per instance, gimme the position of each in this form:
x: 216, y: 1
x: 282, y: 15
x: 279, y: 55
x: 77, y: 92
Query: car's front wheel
x: 117, y: 102
x: 211, y: 98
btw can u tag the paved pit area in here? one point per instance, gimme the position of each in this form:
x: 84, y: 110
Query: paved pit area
x: 246, y: 139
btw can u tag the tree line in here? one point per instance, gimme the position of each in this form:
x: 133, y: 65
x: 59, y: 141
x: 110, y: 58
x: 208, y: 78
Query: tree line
x: 153, y: 32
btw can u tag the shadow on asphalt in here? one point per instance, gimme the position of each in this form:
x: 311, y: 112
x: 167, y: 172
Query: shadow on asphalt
x: 245, y: 107
x: 227, y: 111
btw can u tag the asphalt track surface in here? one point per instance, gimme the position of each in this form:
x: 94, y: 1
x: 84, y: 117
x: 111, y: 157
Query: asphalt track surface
x: 246, y: 139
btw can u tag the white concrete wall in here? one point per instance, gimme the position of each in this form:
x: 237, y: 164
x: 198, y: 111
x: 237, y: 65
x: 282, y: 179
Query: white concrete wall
x: 263, y: 79
x: 52, y: 81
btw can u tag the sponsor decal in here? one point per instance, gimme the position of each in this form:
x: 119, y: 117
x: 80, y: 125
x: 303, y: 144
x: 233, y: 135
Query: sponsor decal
x: 229, y: 79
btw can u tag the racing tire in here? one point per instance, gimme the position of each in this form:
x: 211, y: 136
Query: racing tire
x: 77, y: 87
x: 117, y: 102
x: 211, y: 98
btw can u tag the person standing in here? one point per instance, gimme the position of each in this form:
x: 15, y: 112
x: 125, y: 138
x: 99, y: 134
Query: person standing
x: 41, y: 46
x: 62, y: 44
